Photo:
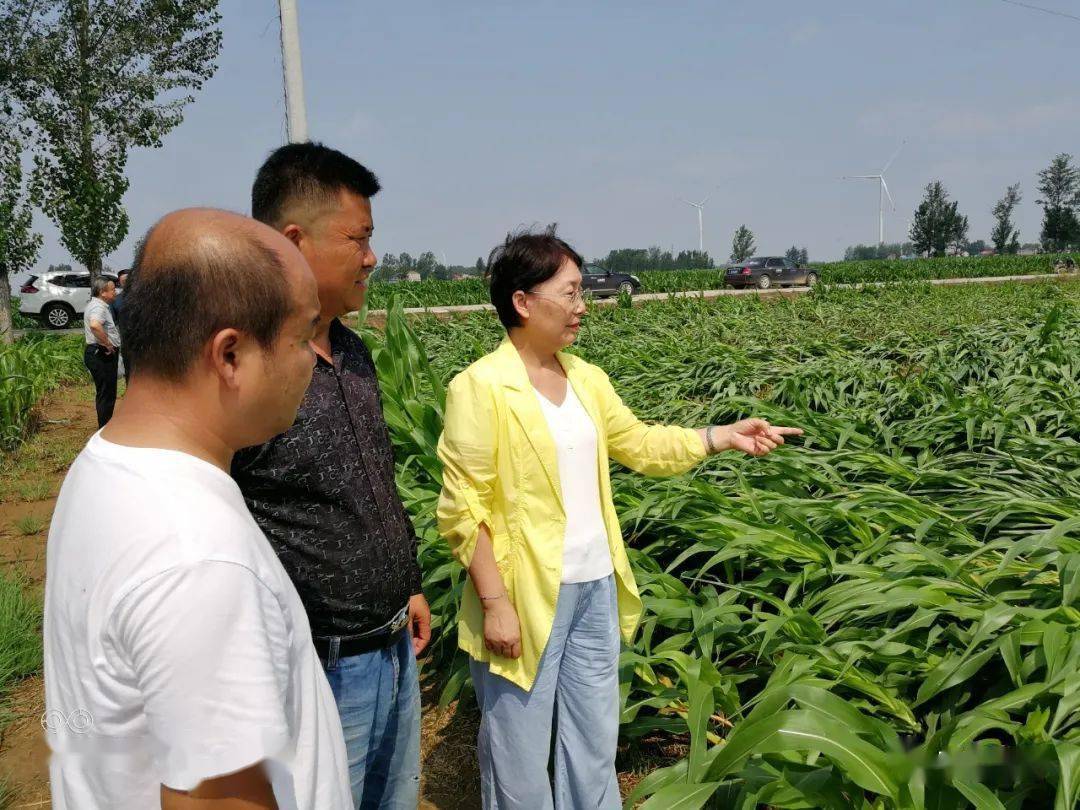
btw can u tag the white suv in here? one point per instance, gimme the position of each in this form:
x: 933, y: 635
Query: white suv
x: 57, y: 297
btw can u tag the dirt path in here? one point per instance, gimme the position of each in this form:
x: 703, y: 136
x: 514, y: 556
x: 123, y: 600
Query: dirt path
x: 29, y: 482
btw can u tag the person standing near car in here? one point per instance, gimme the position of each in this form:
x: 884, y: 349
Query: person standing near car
x: 324, y: 491
x: 102, y: 353
x: 117, y: 307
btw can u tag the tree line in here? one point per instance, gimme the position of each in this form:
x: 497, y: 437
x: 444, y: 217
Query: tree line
x: 401, y: 266
x: 938, y: 227
x: 396, y: 267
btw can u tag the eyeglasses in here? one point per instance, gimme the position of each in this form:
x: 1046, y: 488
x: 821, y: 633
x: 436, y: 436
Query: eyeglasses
x: 572, y: 299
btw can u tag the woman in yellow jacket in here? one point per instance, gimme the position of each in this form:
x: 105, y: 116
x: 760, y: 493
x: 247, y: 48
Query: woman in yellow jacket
x: 526, y: 507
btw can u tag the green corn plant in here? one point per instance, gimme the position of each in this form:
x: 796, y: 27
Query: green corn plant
x: 436, y: 293
x: 885, y: 616
x: 28, y: 369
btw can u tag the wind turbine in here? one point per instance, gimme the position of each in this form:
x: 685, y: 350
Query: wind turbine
x: 883, y: 191
x: 700, y: 227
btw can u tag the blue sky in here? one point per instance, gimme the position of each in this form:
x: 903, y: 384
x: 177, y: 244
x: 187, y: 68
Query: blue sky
x: 481, y: 116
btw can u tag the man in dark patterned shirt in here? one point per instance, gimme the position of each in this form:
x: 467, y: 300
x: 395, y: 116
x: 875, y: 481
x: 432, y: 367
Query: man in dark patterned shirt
x: 324, y: 492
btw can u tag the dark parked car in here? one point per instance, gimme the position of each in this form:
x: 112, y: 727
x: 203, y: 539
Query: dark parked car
x: 764, y: 272
x: 601, y: 283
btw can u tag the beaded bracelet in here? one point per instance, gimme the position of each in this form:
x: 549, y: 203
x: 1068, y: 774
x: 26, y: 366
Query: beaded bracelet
x: 709, y: 440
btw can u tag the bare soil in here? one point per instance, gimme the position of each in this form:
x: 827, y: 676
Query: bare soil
x: 29, y: 481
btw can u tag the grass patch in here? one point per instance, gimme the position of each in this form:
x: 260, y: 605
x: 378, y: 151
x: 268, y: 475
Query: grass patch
x: 31, y: 491
x: 31, y: 524
x: 20, y: 630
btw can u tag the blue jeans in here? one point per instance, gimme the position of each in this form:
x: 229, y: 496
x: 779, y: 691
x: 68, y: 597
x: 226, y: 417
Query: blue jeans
x: 378, y: 698
x: 577, y: 683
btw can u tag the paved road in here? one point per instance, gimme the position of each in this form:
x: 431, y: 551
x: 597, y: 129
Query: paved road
x: 378, y: 316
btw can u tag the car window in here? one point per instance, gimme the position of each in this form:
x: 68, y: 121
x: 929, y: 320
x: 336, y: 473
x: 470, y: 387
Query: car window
x: 80, y: 282
x: 775, y: 263
x: 752, y: 263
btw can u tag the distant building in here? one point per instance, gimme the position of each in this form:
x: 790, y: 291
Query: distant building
x: 412, y: 275
x: 987, y: 252
x: 1028, y: 250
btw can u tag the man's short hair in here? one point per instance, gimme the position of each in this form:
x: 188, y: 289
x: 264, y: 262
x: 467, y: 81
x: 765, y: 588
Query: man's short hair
x: 177, y: 300
x: 300, y: 179
x: 100, y: 285
x: 522, y: 261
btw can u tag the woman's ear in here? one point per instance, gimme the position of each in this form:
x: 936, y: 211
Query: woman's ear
x: 521, y: 305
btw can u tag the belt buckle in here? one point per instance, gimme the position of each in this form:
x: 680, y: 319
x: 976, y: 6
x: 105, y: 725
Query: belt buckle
x: 400, y: 621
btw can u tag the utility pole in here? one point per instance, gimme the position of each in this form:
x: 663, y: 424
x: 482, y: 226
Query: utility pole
x: 295, y: 108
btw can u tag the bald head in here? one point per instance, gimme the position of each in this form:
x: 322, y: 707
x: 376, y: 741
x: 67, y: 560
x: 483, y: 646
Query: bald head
x: 199, y: 271
x: 209, y: 236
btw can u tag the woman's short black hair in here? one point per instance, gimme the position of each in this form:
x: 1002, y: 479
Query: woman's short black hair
x: 521, y: 262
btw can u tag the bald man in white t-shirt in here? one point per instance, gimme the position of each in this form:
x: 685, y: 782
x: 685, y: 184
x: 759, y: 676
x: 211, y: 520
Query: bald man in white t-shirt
x: 179, y: 667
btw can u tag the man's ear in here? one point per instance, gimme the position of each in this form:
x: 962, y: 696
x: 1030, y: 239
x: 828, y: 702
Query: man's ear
x: 294, y: 233
x: 228, y: 351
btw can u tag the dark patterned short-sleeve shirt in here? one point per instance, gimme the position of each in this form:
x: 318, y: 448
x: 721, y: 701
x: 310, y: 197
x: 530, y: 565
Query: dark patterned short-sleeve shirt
x: 324, y: 494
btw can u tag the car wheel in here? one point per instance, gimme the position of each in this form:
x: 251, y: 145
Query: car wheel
x: 58, y: 316
x: 764, y: 282
x: 811, y: 279
x: 626, y: 288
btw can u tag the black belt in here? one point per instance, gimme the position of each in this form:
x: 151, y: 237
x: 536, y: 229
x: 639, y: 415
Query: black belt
x: 358, y: 646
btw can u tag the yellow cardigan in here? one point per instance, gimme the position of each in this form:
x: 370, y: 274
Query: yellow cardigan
x: 499, y: 469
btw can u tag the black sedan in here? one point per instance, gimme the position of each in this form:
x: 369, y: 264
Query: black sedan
x: 764, y: 272
x: 602, y: 283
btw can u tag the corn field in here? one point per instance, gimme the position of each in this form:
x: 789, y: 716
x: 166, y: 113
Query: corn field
x: 432, y: 292
x: 29, y: 368
x: 884, y: 616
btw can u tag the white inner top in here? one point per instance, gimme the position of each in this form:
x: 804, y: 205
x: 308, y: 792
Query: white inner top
x: 586, y: 555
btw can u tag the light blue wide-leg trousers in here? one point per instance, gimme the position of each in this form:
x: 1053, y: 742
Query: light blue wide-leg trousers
x: 577, y: 689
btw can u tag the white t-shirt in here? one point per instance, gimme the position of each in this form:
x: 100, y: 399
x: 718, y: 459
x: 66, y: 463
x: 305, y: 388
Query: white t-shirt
x: 176, y: 647
x: 586, y: 555
x: 98, y: 310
